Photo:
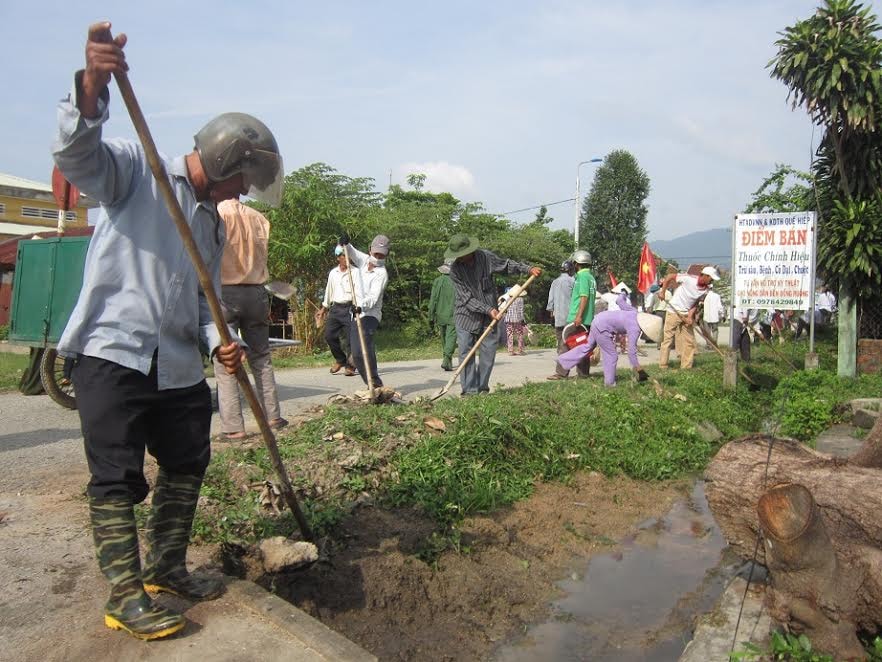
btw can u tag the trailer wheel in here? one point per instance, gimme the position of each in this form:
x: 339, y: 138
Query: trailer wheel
x: 59, y: 387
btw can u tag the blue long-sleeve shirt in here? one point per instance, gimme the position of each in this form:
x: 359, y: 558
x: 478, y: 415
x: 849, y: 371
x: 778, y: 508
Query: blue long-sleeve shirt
x: 559, y: 297
x: 140, y: 292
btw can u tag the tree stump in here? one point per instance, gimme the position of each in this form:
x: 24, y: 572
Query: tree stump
x: 821, y: 525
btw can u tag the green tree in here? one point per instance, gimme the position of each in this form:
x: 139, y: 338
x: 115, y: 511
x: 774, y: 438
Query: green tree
x: 613, y: 218
x: 786, y: 189
x: 419, y: 225
x: 416, y: 180
x: 317, y: 203
x: 830, y: 64
x: 537, y: 245
x: 542, y: 217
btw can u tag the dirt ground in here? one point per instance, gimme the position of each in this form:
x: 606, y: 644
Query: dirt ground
x: 374, y: 587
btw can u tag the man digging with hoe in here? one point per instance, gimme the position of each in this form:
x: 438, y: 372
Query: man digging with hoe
x: 136, y: 329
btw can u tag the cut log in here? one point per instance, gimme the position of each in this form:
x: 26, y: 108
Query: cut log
x: 821, y: 520
x: 809, y: 592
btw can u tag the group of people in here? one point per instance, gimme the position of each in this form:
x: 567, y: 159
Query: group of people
x: 141, y: 324
x: 580, y: 331
x: 352, y: 308
x: 751, y: 325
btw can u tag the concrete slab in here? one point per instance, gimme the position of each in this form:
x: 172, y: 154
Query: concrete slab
x: 840, y: 440
x: 715, y: 631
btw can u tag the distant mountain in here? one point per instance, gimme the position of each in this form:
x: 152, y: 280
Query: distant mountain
x: 710, y: 246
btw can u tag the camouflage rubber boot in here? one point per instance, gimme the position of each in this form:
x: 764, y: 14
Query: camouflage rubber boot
x: 168, y: 534
x: 116, y: 545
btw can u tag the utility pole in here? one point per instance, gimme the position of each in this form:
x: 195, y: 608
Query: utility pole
x: 578, y: 195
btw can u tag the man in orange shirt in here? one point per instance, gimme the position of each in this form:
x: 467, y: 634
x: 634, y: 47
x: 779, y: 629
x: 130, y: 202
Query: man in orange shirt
x: 246, y: 308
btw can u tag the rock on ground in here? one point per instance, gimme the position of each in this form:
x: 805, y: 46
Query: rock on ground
x: 280, y: 554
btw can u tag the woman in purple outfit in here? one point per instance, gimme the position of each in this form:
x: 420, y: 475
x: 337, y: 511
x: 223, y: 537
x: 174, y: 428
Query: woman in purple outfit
x: 604, y: 328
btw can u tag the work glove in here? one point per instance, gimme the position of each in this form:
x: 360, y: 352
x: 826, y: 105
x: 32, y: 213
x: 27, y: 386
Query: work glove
x: 344, y: 239
x: 356, y: 310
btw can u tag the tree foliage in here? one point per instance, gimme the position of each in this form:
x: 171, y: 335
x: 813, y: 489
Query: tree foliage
x: 319, y: 204
x: 786, y: 189
x: 830, y: 64
x: 852, y: 246
x: 613, y: 219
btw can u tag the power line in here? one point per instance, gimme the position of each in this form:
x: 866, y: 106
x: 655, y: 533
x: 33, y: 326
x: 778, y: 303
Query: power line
x: 547, y: 204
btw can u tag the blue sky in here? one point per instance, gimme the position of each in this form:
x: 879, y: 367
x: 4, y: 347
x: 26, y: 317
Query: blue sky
x: 495, y: 102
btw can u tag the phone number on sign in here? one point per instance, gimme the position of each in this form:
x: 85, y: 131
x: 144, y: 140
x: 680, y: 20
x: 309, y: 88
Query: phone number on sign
x: 772, y: 302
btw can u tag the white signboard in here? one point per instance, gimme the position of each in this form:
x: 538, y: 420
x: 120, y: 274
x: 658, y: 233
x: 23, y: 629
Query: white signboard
x: 773, y: 261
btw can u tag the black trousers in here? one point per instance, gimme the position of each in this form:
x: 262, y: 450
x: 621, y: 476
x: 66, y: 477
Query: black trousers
x: 740, y: 340
x: 369, y: 326
x: 338, y: 324
x: 122, y: 412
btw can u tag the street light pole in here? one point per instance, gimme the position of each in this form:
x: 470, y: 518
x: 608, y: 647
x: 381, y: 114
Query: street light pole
x: 576, y: 221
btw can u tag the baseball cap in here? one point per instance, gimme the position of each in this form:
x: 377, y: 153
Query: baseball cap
x: 710, y: 271
x: 380, y: 244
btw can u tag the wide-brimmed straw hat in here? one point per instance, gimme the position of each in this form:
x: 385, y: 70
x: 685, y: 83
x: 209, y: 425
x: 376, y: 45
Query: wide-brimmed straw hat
x: 651, y: 325
x: 459, y: 245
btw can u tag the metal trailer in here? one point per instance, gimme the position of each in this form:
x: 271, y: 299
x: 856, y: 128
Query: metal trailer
x: 48, y: 279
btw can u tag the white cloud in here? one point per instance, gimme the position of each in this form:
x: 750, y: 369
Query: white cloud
x: 441, y: 176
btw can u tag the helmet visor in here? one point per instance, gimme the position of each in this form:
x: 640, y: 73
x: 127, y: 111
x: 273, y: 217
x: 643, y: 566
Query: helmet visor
x: 263, y: 176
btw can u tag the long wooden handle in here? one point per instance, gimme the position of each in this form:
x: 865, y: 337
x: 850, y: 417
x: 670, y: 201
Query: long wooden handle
x: 364, y: 356
x: 477, y: 344
x: 177, y: 214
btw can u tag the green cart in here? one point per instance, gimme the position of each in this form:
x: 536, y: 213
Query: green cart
x: 48, y: 279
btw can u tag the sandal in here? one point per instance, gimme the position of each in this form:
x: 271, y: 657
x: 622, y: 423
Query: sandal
x: 233, y: 436
x: 277, y: 423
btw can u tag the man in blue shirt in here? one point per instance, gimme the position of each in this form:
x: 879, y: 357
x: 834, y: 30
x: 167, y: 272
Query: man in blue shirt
x: 136, y: 331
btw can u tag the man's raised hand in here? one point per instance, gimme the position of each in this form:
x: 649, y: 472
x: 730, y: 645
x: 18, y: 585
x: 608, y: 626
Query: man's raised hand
x: 104, y: 57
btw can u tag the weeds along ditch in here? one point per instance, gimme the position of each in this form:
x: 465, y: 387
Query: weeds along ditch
x: 459, y: 457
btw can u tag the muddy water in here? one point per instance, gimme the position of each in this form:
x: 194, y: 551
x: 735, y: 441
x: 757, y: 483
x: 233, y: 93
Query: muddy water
x: 638, y: 602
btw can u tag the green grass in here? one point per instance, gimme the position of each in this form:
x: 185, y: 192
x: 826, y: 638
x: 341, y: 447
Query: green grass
x: 11, y: 368
x: 496, y: 448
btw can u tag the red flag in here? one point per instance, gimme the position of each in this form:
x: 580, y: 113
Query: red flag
x: 612, y: 279
x: 646, y: 270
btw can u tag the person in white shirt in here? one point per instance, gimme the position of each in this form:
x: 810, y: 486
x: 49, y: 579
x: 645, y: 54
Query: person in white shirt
x: 826, y: 303
x: 682, y: 309
x: 336, y: 314
x: 370, y: 278
x: 713, y: 313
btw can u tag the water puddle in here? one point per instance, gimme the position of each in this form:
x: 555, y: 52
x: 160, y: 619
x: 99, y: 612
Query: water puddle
x: 637, y: 603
